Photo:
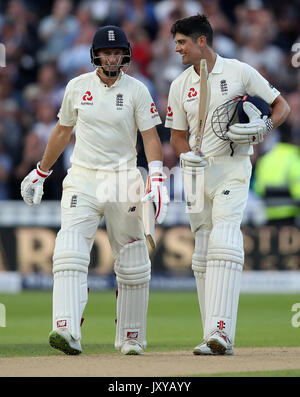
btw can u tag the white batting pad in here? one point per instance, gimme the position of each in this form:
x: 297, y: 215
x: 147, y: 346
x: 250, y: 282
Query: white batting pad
x: 199, y: 262
x: 70, y: 267
x: 70, y: 296
x: 132, y: 270
x: 223, y: 279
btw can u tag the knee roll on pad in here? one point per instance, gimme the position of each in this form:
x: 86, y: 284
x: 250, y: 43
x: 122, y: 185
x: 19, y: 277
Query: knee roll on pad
x: 71, y: 252
x: 199, y: 257
x: 133, y: 266
x: 226, y: 243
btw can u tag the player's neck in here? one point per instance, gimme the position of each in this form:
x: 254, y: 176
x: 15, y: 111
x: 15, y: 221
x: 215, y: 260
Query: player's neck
x: 210, y: 57
x: 109, y: 81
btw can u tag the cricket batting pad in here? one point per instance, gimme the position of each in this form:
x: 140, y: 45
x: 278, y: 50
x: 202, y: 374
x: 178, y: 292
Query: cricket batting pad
x: 199, y: 261
x: 225, y: 260
x: 70, y: 294
x: 132, y: 270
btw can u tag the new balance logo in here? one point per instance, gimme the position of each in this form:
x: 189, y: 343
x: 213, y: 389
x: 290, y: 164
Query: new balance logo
x: 132, y: 209
x: 73, y: 201
x: 111, y: 35
x: 226, y: 192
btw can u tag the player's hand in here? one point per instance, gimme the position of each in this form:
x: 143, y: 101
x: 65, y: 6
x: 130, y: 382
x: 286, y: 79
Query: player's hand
x: 157, y: 192
x: 32, y: 186
x: 191, y: 159
x: 252, y: 132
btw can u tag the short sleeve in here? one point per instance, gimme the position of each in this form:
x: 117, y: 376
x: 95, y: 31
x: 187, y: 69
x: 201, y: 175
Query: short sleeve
x: 68, y: 113
x: 256, y: 85
x: 176, y: 116
x: 146, y: 113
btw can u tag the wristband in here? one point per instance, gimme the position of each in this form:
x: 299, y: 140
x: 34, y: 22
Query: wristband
x: 155, y: 166
x: 42, y: 174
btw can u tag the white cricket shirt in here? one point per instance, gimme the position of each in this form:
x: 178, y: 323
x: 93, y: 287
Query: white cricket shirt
x: 107, y: 120
x: 228, y: 79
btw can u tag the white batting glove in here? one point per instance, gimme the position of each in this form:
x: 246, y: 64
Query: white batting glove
x: 32, y: 186
x: 191, y: 159
x: 252, y: 132
x: 157, y: 191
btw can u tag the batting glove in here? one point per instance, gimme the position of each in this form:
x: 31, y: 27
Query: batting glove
x: 191, y: 159
x: 32, y: 186
x: 157, y: 191
x: 253, y: 132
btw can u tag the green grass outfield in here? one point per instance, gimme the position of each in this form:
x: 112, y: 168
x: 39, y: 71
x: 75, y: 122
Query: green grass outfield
x: 173, y: 322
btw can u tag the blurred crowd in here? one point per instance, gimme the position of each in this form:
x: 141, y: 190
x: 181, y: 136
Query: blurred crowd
x: 47, y: 43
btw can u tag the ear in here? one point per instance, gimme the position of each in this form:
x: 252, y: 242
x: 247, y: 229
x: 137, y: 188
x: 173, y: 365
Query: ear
x: 201, y: 41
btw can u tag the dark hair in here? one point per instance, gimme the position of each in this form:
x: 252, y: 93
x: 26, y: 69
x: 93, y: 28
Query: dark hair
x: 194, y: 27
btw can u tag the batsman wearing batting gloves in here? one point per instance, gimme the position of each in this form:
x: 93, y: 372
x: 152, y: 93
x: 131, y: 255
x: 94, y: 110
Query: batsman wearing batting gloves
x: 236, y: 120
x: 106, y: 107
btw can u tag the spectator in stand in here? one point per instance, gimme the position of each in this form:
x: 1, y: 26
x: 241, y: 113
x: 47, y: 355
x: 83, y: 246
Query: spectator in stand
x: 19, y: 35
x: 5, y: 169
x: 140, y: 45
x: 57, y: 31
x: 47, y: 88
x: 281, y: 189
x: 258, y: 51
x: 164, y: 8
x: 165, y: 65
x: 76, y: 59
x: 143, y: 13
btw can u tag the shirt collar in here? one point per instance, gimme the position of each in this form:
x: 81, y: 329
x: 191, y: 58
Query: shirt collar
x: 218, y: 68
x: 116, y: 83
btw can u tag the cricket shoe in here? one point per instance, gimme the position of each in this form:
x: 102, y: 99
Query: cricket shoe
x: 204, y: 350
x: 218, y: 342
x: 62, y: 340
x: 131, y: 347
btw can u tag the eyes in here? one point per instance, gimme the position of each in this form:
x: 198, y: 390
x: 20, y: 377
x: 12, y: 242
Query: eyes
x: 111, y: 53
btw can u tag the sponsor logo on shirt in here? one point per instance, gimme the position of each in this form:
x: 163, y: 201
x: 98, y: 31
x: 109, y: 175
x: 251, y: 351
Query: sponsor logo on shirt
x: 169, y: 113
x: 192, y: 94
x: 153, y: 110
x: 87, y: 98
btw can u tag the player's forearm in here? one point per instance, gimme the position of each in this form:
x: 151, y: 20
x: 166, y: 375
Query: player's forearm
x: 179, y: 142
x: 58, y: 140
x: 152, y: 145
x: 280, y: 111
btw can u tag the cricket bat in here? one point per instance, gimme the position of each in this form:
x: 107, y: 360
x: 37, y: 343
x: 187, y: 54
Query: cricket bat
x: 204, y: 99
x: 149, y: 219
x: 149, y: 222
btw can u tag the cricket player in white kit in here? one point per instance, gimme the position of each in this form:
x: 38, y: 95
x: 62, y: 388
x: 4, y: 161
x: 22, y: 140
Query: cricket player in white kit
x: 218, y: 256
x: 107, y: 107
